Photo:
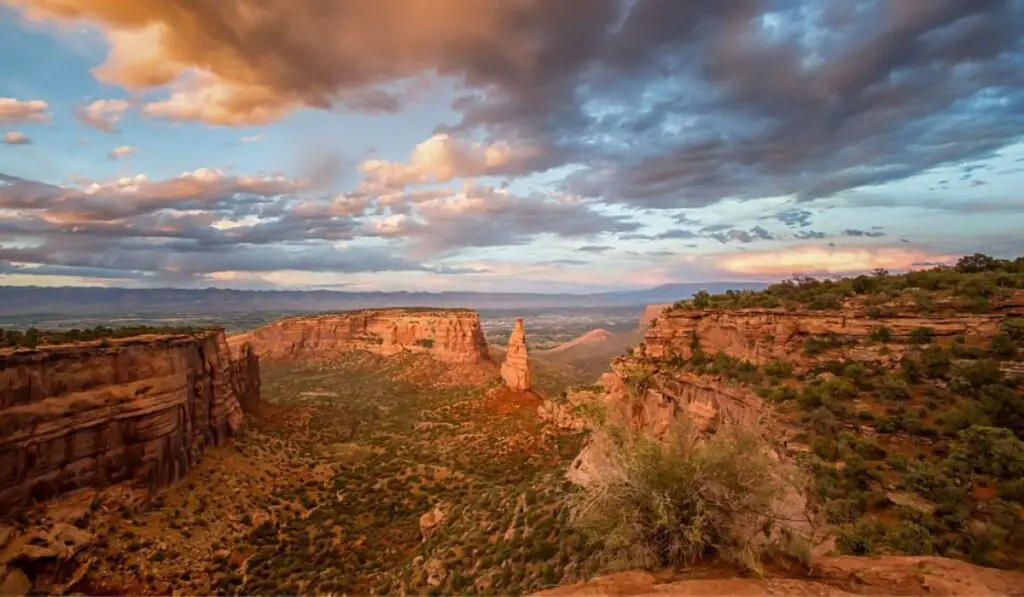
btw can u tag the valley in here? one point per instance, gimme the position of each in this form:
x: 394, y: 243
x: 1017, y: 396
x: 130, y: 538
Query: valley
x: 817, y: 437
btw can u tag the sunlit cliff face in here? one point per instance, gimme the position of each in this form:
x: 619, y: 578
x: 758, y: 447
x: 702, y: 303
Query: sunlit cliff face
x: 543, y: 145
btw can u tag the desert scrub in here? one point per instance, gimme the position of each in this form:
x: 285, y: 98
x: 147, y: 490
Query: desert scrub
x: 672, y: 502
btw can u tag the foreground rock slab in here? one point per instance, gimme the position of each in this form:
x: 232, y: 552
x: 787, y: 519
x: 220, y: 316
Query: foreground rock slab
x: 847, y: 575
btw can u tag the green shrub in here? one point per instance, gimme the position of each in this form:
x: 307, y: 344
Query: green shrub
x: 778, y: 369
x: 894, y: 388
x: 1003, y: 347
x: 1014, y: 329
x: 861, y: 538
x: 921, y: 335
x: 673, y: 502
x: 880, y: 334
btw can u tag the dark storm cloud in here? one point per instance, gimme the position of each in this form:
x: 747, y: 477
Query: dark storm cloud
x: 867, y: 233
x: 662, y: 103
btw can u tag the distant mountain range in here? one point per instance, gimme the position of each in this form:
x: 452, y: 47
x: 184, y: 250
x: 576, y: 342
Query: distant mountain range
x: 21, y: 300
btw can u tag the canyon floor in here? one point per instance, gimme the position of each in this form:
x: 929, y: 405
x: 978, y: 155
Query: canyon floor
x: 325, y: 488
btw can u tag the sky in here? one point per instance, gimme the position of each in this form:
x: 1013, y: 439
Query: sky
x: 504, y: 145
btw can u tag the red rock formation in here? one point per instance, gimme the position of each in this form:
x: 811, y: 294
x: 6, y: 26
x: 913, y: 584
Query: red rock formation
x: 762, y: 335
x: 515, y: 371
x: 449, y: 335
x: 89, y: 415
x: 247, y: 378
x: 652, y: 312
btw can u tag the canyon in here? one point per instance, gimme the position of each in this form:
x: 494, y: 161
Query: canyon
x: 131, y: 409
x: 356, y: 471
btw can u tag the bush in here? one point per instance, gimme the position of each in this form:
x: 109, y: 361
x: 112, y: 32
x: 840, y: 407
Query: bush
x: 921, y: 335
x: 1003, y: 347
x: 673, y: 502
x: 893, y: 388
x: 880, y: 334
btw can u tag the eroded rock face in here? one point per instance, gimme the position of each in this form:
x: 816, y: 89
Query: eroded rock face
x: 449, y: 335
x: 136, y: 409
x: 515, y: 371
x: 247, y: 377
x: 763, y: 335
x: 652, y: 312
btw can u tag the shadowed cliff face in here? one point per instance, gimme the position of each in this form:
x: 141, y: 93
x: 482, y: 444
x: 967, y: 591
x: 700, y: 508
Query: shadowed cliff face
x: 450, y: 336
x: 140, y: 408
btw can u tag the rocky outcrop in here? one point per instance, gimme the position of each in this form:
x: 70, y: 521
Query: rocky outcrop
x: 515, y: 371
x: 247, y: 378
x: 652, y: 312
x: 840, y: 576
x: 134, y: 409
x: 449, y: 335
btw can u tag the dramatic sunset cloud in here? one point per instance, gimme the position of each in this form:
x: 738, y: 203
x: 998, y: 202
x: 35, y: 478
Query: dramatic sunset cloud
x: 601, y: 142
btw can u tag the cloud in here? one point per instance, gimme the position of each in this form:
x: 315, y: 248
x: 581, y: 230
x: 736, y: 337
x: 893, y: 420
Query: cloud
x: 16, y: 111
x: 128, y: 197
x: 16, y: 138
x: 794, y: 218
x: 123, y: 151
x: 251, y: 139
x: 595, y: 249
x: 443, y: 158
x: 819, y: 261
x: 655, y: 104
x: 856, y: 232
x: 103, y: 114
x: 671, y: 234
x: 206, y: 221
x: 482, y: 216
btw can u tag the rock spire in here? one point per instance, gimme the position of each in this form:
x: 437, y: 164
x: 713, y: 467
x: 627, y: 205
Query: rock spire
x: 515, y: 371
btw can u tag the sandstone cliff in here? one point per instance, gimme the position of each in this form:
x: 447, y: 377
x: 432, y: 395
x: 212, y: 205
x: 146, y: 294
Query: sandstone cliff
x: 515, y: 371
x: 140, y: 408
x: 763, y: 335
x: 448, y: 335
x: 651, y: 312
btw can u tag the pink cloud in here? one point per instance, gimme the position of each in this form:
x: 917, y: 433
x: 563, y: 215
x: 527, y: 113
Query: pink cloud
x: 819, y: 260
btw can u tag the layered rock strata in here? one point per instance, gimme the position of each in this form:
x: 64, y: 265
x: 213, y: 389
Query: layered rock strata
x: 449, y: 335
x: 763, y: 335
x: 515, y: 371
x: 134, y: 409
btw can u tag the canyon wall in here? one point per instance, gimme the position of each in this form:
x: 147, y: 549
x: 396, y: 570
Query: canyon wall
x: 763, y: 335
x: 650, y: 391
x: 92, y: 414
x: 449, y: 335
